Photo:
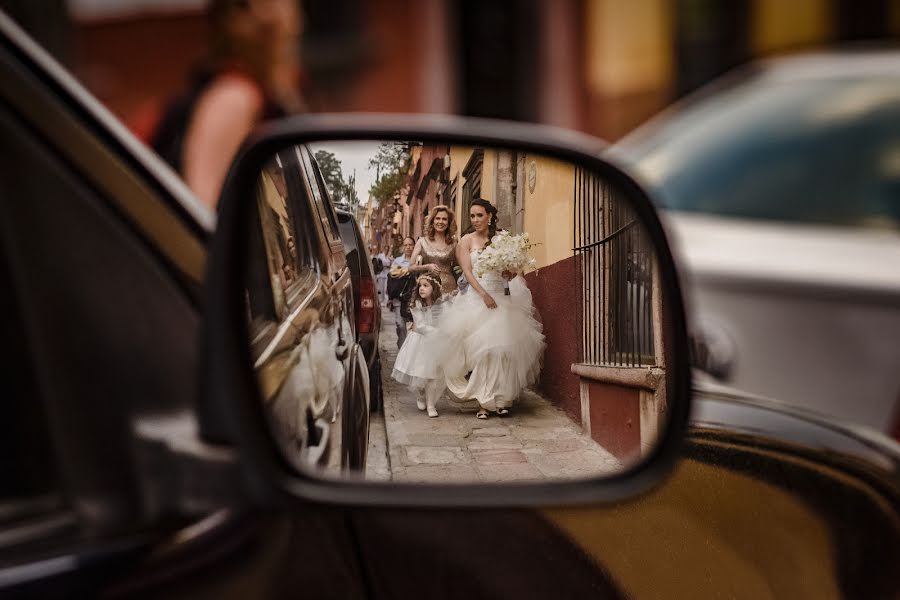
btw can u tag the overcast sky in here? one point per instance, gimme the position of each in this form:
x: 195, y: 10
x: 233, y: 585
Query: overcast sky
x: 354, y: 155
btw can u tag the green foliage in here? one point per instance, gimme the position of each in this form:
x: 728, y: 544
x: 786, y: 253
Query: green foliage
x: 392, y: 162
x: 330, y: 167
x: 341, y: 190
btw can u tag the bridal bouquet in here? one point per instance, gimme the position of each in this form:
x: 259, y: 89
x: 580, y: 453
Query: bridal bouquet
x: 507, y: 252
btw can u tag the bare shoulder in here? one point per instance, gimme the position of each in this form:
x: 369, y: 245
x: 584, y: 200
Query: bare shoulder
x: 231, y: 94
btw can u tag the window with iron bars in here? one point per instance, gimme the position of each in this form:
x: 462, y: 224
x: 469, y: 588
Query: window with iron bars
x: 615, y: 262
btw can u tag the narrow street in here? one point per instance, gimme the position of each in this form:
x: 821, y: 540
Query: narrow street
x: 535, y: 441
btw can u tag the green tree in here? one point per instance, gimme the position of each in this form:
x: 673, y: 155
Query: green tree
x: 350, y: 190
x: 332, y: 174
x: 392, y: 162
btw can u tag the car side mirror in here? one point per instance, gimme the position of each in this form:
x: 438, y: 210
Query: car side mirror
x: 544, y: 355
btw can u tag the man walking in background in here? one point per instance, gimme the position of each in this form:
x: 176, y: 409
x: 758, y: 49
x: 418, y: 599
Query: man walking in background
x: 399, y: 286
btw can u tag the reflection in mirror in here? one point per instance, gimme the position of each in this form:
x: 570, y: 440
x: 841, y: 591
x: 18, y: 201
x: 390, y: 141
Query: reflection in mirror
x: 451, y: 314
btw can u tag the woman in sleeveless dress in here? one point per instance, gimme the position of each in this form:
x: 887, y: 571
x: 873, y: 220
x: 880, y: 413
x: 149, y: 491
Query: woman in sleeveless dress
x: 437, y: 248
x: 494, y: 342
x: 250, y: 75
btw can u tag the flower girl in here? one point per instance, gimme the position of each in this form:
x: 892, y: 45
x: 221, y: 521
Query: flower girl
x: 417, y: 364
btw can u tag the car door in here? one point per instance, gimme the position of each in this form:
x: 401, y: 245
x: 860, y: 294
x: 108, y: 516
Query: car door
x: 355, y: 425
x: 329, y: 224
x: 289, y: 310
x: 102, y: 253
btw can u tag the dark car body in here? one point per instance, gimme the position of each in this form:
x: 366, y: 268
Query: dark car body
x: 102, y: 263
x: 298, y: 275
x: 365, y: 300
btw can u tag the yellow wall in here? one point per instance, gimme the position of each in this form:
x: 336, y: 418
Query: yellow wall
x: 629, y: 45
x: 489, y: 176
x: 459, y: 156
x: 777, y: 24
x: 549, y: 209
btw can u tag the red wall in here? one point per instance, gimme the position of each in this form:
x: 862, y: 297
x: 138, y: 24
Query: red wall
x: 616, y: 418
x: 615, y: 410
x: 130, y: 64
x: 554, y: 289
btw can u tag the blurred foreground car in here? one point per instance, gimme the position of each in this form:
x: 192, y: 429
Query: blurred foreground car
x: 782, y: 186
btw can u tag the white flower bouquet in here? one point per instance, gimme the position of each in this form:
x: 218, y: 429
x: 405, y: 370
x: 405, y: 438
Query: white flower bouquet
x: 507, y: 252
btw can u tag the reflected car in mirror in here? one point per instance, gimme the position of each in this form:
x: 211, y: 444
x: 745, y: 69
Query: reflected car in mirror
x: 366, y: 308
x: 300, y: 312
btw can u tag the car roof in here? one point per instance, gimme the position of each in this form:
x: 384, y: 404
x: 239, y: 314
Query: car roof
x: 834, y: 64
x: 847, y: 63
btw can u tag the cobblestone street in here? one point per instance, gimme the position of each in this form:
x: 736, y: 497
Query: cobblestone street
x: 535, y: 441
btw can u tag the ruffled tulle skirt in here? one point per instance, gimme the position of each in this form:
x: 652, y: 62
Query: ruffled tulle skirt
x: 416, y: 363
x: 491, y: 355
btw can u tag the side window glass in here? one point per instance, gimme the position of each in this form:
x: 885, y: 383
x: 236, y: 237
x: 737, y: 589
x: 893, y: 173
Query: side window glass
x: 284, y: 253
x: 320, y: 196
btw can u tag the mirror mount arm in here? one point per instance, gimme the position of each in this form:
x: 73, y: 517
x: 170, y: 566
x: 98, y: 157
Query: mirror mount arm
x: 182, y: 473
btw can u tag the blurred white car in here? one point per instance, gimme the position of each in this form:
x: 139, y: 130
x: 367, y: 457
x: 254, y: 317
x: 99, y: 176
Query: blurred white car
x: 782, y: 184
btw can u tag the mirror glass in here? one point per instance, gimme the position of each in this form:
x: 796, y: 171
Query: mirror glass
x: 443, y: 313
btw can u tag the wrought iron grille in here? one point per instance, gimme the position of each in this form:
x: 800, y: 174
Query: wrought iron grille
x: 615, y: 264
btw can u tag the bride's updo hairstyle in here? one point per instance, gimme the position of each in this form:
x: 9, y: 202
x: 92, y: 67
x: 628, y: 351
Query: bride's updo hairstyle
x: 492, y: 211
x: 450, y: 234
x: 435, y: 282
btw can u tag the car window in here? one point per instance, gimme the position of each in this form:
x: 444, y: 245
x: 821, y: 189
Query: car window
x: 281, y: 246
x: 92, y: 316
x: 348, y: 233
x: 320, y: 196
x: 779, y: 150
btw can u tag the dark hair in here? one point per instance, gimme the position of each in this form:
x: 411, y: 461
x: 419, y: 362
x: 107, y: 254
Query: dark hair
x: 409, y: 237
x: 492, y: 211
x: 436, y: 291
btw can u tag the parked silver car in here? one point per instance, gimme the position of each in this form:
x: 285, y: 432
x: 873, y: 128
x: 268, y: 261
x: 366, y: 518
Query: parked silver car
x: 782, y: 184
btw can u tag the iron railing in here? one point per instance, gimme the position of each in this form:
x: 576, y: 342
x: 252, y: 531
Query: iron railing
x: 615, y: 271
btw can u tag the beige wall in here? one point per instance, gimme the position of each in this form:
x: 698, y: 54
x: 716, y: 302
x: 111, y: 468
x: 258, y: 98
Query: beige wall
x: 549, y: 209
x: 489, y: 176
x: 629, y: 45
x: 459, y: 156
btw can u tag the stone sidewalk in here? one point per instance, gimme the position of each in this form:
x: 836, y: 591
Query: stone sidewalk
x: 535, y: 441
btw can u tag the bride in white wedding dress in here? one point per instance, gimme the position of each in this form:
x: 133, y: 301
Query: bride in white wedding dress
x: 494, y: 342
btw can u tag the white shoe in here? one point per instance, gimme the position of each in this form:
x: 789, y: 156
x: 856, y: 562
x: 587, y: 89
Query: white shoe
x: 420, y: 404
x: 432, y: 411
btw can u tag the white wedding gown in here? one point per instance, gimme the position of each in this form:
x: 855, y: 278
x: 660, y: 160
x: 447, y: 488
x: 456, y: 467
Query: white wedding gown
x: 491, y: 355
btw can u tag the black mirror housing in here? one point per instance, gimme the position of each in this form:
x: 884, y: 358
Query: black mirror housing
x: 230, y: 404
